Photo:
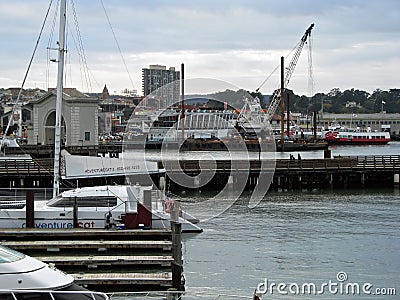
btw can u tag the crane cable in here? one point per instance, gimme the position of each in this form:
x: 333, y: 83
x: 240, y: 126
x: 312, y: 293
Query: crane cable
x: 274, y: 70
x: 116, y: 41
x: 311, y: 83
x: 85, y: 71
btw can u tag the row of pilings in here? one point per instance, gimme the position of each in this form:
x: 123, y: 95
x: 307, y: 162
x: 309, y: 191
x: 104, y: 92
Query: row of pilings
x: 283, y: 181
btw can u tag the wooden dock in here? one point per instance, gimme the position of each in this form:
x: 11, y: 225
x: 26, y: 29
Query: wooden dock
x: 334, y: 173
x: 103, y: 260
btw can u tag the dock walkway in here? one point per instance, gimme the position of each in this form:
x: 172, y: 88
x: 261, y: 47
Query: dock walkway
x: 105, y: 260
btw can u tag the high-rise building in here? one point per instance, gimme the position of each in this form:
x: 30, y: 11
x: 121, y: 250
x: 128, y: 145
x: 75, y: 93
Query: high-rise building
x: 156, y: 79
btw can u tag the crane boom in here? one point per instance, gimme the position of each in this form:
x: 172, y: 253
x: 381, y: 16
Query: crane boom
x: 276, y: 96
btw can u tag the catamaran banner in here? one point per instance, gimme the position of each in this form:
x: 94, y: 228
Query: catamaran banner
x: 91, y: 166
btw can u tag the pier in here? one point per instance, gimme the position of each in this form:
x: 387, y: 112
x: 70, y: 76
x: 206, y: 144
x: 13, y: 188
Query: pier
x: 337, y: 172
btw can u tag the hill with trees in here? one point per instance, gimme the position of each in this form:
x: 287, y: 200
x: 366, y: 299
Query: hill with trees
x: 337, y: 101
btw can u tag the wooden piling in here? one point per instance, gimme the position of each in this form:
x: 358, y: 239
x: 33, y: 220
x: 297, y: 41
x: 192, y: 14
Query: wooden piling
x: 147, y: 201
x: 75, y: 214
x: 30, y: 209
x: 176, y: 231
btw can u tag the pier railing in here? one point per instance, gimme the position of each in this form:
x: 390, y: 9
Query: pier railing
x: 26, y: 166
x: 337, y: 163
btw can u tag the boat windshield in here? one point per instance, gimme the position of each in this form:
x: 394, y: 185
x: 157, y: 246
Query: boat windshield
x: 9, y: 255
x: 87, y: 201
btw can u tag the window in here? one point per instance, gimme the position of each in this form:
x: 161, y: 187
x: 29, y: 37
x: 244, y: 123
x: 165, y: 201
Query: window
x: 88, y: 201
x: 87, y: 135
x: 9, y: 255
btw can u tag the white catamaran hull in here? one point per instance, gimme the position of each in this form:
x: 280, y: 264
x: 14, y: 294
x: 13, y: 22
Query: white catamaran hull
x: 96, y: 207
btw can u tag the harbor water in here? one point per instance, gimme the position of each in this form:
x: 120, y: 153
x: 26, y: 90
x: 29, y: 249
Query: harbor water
x: 302, y: 237
x: 307, y: 237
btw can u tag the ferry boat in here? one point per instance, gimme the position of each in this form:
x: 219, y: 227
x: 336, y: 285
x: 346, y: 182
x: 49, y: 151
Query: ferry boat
x: 357, y: 137
x: 123, y: 207
x: 24, y: 277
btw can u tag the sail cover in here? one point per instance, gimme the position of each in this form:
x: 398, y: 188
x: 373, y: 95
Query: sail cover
x: 76, y: 166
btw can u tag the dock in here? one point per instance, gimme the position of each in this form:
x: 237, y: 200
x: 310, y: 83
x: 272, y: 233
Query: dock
x: 103, y: 260
x: 298, y: 174
x: 334, y: 173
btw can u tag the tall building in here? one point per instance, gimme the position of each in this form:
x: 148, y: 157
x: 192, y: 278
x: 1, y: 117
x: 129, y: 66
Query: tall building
x: 156, y: 79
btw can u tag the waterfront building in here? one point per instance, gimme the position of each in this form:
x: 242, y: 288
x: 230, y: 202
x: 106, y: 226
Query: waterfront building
x: 79, y: 119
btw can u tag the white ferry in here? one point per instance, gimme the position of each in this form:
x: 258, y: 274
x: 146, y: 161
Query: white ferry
x: 357, y: 137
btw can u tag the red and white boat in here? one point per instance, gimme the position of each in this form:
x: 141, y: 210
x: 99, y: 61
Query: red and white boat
x: 357, y: 137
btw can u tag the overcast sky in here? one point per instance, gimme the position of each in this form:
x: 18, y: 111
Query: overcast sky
x: 355, y: 43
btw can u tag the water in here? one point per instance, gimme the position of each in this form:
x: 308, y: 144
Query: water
x: 301, y: 237
x: 298, y: 238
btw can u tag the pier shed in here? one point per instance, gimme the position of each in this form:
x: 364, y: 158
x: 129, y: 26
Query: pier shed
x: 79, y: 119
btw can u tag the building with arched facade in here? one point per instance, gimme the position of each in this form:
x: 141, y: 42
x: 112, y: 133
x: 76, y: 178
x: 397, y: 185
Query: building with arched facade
x: 79, y: 119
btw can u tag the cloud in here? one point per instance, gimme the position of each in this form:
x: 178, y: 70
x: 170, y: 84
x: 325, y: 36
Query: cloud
x: 233, y: 40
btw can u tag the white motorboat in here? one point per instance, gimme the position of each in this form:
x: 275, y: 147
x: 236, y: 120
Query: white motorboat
x: 125, y: 207
x: 24, y: 277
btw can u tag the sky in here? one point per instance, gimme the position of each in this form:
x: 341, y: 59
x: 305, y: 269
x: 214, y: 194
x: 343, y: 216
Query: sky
x: 354, y: 44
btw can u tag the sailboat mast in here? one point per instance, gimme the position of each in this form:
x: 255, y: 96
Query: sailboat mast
x: 60, y: 76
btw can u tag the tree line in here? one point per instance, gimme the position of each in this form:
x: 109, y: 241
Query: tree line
x: 348, y: 101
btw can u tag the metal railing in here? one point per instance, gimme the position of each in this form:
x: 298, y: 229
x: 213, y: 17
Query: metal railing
x: 52, y: 294
x: 178, y: 295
